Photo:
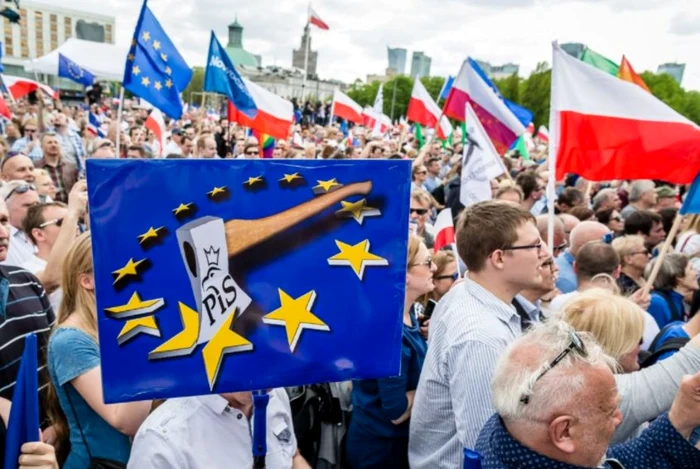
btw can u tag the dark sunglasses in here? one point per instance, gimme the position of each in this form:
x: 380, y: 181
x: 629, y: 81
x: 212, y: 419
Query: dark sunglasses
x: 454, y: 277
x: 56, y: 221
x: 558, y: 249
x: 421, y: 172
x: 21, y: 189
x: 575, y: 345
x: 419, y: 211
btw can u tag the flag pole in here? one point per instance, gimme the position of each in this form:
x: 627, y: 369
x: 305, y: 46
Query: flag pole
x: 306, y: 53
x: 393, y: 101
x: 662, y: 254
x: 119, y: 119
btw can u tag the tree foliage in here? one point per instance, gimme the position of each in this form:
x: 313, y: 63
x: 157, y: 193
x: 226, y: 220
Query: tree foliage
x: 196, y: 86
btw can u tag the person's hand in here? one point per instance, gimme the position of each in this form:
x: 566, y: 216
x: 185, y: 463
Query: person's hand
x: 641, y: 299
x: 37, y: 455
x: 424, y: 327
x: 77, y: 199
x: 685, y: 410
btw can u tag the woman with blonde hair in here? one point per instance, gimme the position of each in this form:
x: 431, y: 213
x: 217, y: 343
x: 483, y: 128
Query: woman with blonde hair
x: 446, y: 273
x: 689, y: 240
x: 76, y: 404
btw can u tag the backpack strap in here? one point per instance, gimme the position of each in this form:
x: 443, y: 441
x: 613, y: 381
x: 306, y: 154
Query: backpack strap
x: 671, y: 345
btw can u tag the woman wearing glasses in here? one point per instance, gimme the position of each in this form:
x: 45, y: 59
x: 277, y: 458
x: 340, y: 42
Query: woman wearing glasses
x: 378, y: 433
x: 612, y: 219
x: 446, y: 273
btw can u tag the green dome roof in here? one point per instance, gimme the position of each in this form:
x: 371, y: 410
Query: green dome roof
x: 242, y: 57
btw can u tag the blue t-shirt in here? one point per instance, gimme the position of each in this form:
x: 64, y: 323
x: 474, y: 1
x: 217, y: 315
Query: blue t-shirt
x: 72, y: 353
x: 567, y: 282
x: 673, y: 330
x: 661, y: 311
x: 376, y: 402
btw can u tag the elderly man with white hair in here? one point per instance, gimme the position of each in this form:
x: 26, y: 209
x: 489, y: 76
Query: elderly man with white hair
x: 583, y: 233
x: 606, y: 198
x: 642, y: 197
x: 556, y: 404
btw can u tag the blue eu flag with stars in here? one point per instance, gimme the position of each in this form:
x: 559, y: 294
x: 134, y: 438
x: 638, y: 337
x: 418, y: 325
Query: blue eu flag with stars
x: 155, y: 70
x: 71, y: 70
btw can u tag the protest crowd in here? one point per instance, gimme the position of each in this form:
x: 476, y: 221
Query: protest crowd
x: 548, y: 329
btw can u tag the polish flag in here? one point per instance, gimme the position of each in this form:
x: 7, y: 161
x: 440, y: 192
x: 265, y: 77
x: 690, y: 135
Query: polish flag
x: 275, y: 115
x: 530, y: 128
x: 424, y: 111
x: 343, y: 106
x: 604, y: 128
x: 156, y: 124
x: 502, y: 126
x: 21, y: 87
x: 543, y: 134
x: 316, y: 20
x: 444, y: 230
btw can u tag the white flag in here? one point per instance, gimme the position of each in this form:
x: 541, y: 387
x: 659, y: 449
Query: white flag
x: 480, y: 162
x: 378, y: 111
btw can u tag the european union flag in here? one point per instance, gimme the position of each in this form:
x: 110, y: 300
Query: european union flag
x: 233, y: 275
x: 221, y: 77
x: 23, y: 426
x: 155, y: 70
x: 71, y: 70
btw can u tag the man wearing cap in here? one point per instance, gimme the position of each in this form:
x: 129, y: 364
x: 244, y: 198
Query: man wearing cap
x: 666, y: 197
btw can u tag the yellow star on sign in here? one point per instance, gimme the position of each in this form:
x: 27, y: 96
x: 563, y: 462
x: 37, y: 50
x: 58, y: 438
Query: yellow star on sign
x: 151, y: 233
x: 135, y: 307
x: 326, y: 185
x: 185, y: 341
x: 146, y: 35
x: 145, y: 81
x: 253, y: 180
x: 358, y: 257
x: 168, y: 84
x: 156, y: 45
x: 168, y: 71
x: 217, y: 190
x: 134, y: 327
x: 182, y: 208
x: 131, y: 57
x: 158, y: 86
x: 290, y: 177
x: 165, y: 59
x: 224, y: 341
x: 357, y: 210
x: 295, y: 315
x: 135, y: 70
x: 131, y: 268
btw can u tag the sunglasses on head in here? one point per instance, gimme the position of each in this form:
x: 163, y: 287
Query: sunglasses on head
x: 419, y: 211
x: 21, y: 189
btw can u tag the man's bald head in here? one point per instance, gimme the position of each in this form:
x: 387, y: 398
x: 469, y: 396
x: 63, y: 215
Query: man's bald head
x: 17, y: 167
x: 570, y: 223
x: 585, y: 232
x: 542, y: 227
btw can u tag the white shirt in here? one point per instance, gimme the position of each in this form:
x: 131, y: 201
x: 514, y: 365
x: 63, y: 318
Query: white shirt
x: 172, y: 148
x: 21, y: 248
x: 203, y: 432
x: 35, y: 265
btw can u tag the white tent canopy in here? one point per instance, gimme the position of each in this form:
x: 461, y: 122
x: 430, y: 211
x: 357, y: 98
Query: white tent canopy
x: 105, y: 61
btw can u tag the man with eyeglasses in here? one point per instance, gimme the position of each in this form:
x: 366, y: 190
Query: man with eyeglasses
x: 469, y: 330
x: 16, y: 166
x: 29, y: 143
x: 556, y: 402
x: 251, y: 151
x: 63, y: 173
x: 103, y: 149
x: 18, y: 196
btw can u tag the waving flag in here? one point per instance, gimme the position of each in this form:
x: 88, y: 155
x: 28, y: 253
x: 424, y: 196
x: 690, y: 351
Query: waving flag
x: 71, y: 70
x: 423, y: 110
x: 543, y: 134
x: 444, y: 230
x: 274, y: 117
x: 627, y: 73
x: 343, y: 106
x: 316, y: 20
x: 447, y: 87
x: 607, y: 128
x: 20, y: 87
x: 600, y: 62
x: 95, y: 126
x: 222, y: 77
x: 156, y: 124
x: 155, y: 70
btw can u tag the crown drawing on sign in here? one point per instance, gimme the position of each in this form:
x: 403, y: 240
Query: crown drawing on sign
x: 212, y: 256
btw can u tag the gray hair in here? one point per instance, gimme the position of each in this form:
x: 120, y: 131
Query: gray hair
x: 523, y: 362
x: 601, y: 197
x: 672, y: 267
x: 638, y: 188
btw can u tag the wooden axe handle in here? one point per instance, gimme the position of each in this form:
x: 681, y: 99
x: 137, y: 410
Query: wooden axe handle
x: 244, y: 234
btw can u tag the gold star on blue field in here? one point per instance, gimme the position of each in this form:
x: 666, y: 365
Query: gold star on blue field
x: 254, y: 181
x: 133, y: 327
x: 131, y: 269
x: 357, y: 210
x: 184, y: 210
x: 135, y: 307
x: 225, y: 341
x: 296, y: 316
x: 151, y: 234
x: 217, y: 191
x: 357, y: 257
x: 324, y: 187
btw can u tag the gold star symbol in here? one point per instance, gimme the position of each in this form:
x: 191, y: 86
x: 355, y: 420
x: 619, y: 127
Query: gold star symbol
x: 217, y: 190
x: 158, y: 86
x: 168, y: 83
x: 151, y: 233
x: 253, y: 180
x: 156, y: 45
x: 290, y: 177
x: 131, y: 268
x: 326, y: 185
x: 295, y: 315
x: 168, y: 70
x: 182, y: 208
x: 357, y: 210
x: 136, y: 70
x: 134, y: 327
x: 146, y: 35
x: 185, y: 341
x: 165, y: 59
x: 224, y: 341
x: 131, y: 57
x: 145, y: 81
x: 135, y: 307
x: 358, y: 257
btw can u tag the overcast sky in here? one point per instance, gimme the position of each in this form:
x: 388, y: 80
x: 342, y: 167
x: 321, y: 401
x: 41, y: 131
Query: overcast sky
x: 649, y: 32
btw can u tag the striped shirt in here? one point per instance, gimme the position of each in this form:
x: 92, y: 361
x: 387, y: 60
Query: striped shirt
x: 469, y: 331
x: 24, y: 308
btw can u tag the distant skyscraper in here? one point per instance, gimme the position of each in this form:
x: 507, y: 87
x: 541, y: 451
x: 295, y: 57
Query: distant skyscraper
x: 397, y: 60
x: 574, y: 49
x: 420, y: 65
x: 298, y: 54
x: 673, y: 69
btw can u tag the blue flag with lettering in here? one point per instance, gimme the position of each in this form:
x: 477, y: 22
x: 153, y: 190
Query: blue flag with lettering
x: 71, y: 70
x: 691, y: 203
x: 23, y: 426
x: 220, y: 76
x: 233, y: 275
x: 155, y: 70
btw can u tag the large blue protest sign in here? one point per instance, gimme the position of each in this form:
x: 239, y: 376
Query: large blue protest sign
x: 217, y: 276
x: 221, y: 76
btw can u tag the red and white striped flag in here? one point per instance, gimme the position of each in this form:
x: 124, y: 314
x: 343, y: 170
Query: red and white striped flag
x: 543, y: 134
x: 444, y: 230
x: 156, y: 124
x: 316, y: 20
